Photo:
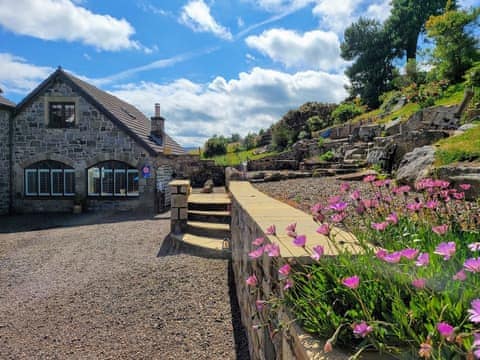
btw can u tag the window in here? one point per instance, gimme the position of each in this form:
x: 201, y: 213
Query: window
x: 62, y: 115
x: 49, y: 178
x: 112, y: 179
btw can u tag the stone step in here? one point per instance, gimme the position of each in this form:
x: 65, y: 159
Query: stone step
x: 202, y: 246
x: 222, y: 217
x: 209, y: 202
x: 211, y: 230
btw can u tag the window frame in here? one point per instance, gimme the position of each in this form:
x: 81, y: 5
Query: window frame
x: 64, y: 122
x: 56, y: 168
x: 115, y: 167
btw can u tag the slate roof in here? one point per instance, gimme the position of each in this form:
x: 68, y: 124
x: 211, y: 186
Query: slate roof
x: 6, y: 103
x: 123, y: 114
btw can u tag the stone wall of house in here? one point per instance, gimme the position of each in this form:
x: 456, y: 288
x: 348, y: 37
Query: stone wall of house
x: 93, y: 139
x: 4, y: 161
x: 198, y: 171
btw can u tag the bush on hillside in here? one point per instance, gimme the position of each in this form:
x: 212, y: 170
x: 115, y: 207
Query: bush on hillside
x: 216, y: 145
x: 345, y: 112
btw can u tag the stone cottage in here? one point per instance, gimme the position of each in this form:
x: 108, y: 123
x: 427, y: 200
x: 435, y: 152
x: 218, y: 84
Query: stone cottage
x: 69, y: 141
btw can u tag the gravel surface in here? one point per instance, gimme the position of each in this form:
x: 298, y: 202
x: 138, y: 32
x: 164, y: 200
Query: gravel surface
x: 99, y: 291
x: 303, y: 193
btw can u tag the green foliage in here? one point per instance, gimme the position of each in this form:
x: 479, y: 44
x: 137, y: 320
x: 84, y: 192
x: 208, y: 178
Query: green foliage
x: 407, y: 21
x: 328, y: 156
x: 345, y: 112
x: 316, y: 123
x: 402, y: 317
x: 232, y: 158
x: 250, y: 142
x: 234, y: 138
x: 368, y: 45
x: 320, y: 142
x: 303, y: 135
x: 456, y: 47
x: 281, y: 137
x: 473, y: 76
x: 216, y: 145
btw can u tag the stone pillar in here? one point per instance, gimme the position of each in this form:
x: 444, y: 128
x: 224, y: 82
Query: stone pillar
x: 180, y: 190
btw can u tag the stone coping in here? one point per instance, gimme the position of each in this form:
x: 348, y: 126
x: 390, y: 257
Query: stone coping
x: 179, y: 183
x: 266, y: 211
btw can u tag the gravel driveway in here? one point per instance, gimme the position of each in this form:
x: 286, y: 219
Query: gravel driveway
x: 94, y: 288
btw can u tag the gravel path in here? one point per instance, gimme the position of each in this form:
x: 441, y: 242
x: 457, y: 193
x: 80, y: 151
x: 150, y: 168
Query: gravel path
x: 99, y: 291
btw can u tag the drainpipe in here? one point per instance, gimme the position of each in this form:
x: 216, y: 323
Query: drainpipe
x: 10, y: 159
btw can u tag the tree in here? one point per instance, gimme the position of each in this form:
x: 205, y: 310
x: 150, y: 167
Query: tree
x: 216, y: 145
x: 249, y: 142
x: 407, y: 21
x: 369, y: 46
x: 456, y: 48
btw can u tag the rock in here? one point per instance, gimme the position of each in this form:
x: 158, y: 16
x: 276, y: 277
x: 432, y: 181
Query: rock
x: 463, y: 174
x: 416, y: 165
x: 208, y: 186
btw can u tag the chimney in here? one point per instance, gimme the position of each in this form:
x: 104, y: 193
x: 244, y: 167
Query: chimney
x: 158, y: 122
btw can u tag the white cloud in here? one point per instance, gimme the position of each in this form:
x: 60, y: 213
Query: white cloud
x: 63, y: 20
x: 335, y: 15
x: 18, y: 76
x: 196, y: 15
x: 314, y: 49
x: 252, y: 101
x: 278, y: 6
x: 379, y: 11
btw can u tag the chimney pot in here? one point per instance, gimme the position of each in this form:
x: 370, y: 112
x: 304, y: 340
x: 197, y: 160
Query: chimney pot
x: 157, y: 110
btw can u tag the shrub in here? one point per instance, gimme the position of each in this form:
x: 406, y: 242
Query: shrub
x: 345, y: 112
x: 326, y: 156
x: 473, y: 76
x: 216, y: 145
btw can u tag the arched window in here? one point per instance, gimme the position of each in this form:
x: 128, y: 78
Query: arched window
x: 112, y: 178
x: 49, y: 178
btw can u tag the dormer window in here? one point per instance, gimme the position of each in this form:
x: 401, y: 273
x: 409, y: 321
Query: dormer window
x: 61, y: 115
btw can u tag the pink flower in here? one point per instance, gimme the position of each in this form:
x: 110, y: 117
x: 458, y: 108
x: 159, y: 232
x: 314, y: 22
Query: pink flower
x: 339, y: 217
x: 290, y: 229
x: 459, y: 195
x: 472, y: 265
x: 423, y: 259
x: 334, y: 199
x: 288, y: 284
x: 380, y: 226
x: 370, y: 203
x: 351, y: 282
x: 369, y: 178
x: 445, y: 329
x: 393, y: 258
x: 393, y: 218
x: 381, y: 253
x: 318, y: 252
x: 252, y: 280
x: 271, y: 230
x: 256, y: 253
x: 419, y: 283
x: 409, y: 253
x: 475, y: 311
x: 465, y: 187
x: 362, y: 329
x: 339, y: 206
x: 474, y: 246
x: 324, y: 229
x: 401, y: 189
x: 317, y: 208
x: 432, y: 204
x: 260, y: 304
x: 476, y: 345
x: 425, y: 350
x: 355, y: 195
x: 285, y: 270
x: 440, y: 229
x: 300, y: 240
x: 360, y: 209
x: 415, y: 207
x: 327, y: 347
x: 258, y: 241
x: 460, y: 276
x: 446, y: 250
x: 273, y: 250
x: 344, y: 187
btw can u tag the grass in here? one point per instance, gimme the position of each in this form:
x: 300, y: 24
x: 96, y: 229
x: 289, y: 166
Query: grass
x: 464, y: 147
x: 236, y: 158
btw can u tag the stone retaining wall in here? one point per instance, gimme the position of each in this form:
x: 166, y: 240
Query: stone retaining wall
x: 252, y: 212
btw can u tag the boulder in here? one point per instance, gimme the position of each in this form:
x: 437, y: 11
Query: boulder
x: 467, y: 173
x: 416, y: 165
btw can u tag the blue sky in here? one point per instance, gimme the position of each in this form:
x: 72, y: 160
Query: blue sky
x: 215, y: 66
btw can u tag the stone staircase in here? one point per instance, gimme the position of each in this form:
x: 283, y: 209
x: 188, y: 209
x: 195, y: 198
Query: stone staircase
x: 207, y: 231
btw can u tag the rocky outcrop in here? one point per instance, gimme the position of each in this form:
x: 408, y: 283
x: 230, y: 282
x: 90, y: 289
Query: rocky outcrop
x: 467, y: 173
x: 416, y: 165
